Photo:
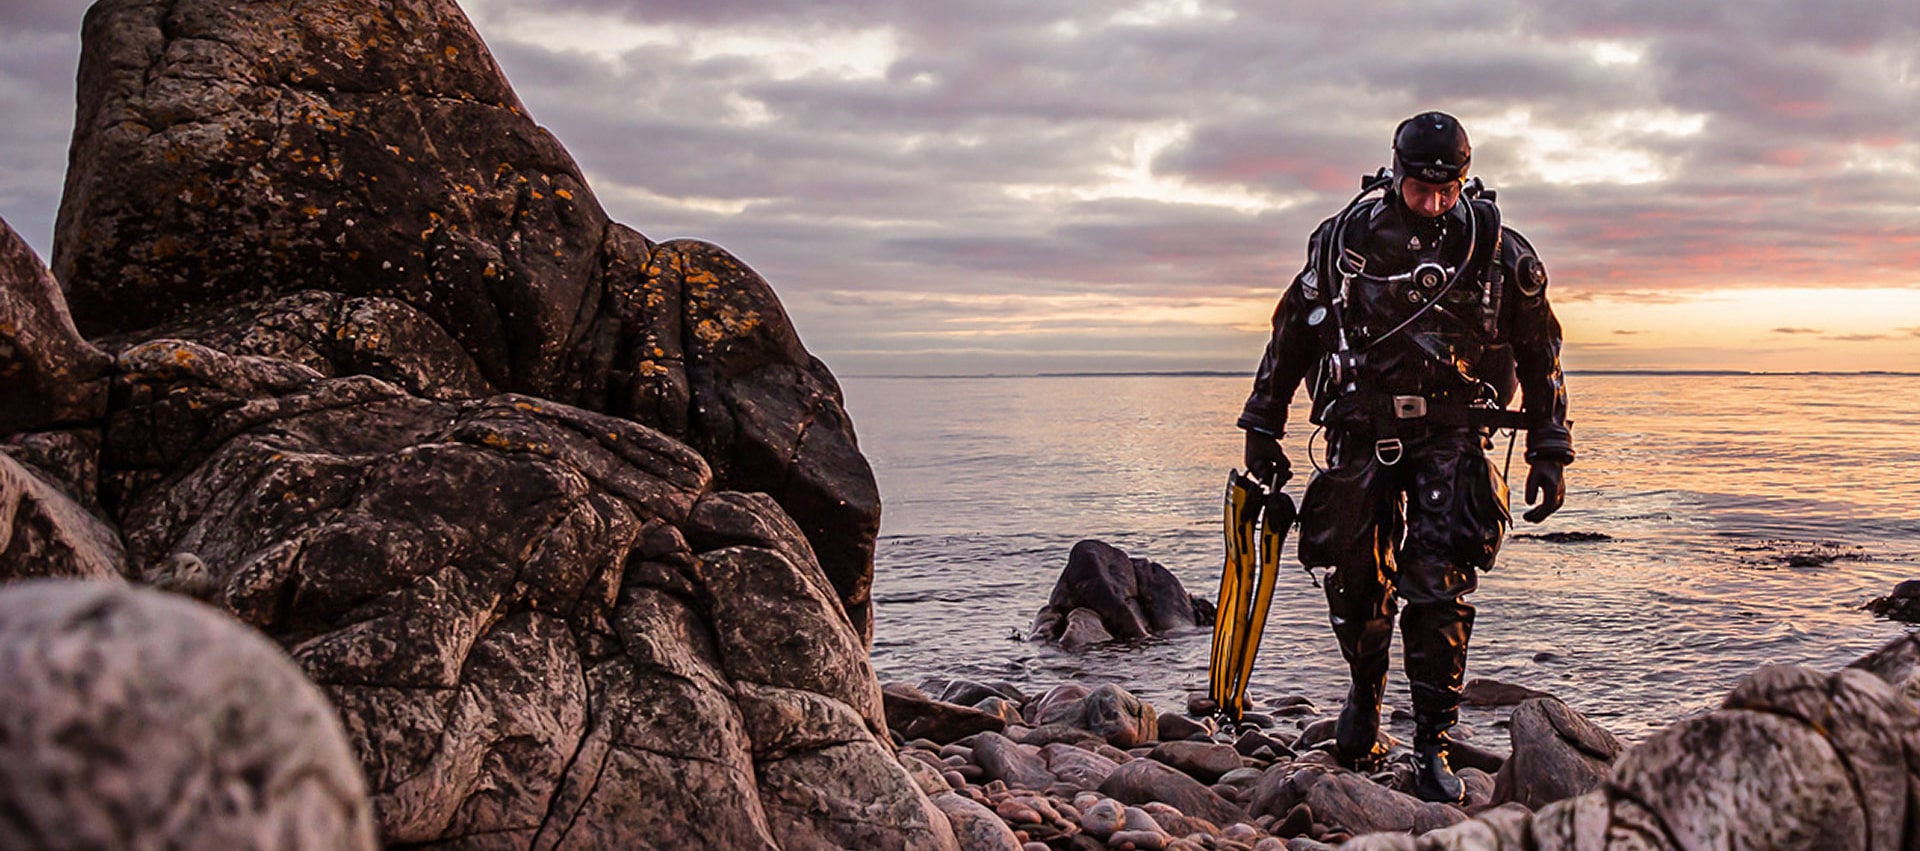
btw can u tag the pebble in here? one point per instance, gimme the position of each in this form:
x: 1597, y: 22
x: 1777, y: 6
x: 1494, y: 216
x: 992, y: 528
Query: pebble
x: 1015, y: 812
x: 1134, y: 818
x: 1102, y: 818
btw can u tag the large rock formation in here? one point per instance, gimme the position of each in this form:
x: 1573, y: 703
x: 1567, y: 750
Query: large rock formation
x: 136, y: 719
x: 569, y: 526
x: 226, y: 154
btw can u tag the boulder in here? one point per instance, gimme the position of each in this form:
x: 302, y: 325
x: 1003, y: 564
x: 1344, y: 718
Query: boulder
x: 1204, y: 761
x: 975, y: 826
x: 1144, y: 780
x: 1129, y: 597
x: 1901, y: 604
x: 1018, y: 765
x: 1084, y: 628
x: 1557, y: 753
x: 1125, y: 721
x: 138, y: 719
x: 1485, y: 692
x: 1357, y: 805
x: 1078, y: 767
x: 916, y: 717
x: 48, y: 374
x: 229, y: 157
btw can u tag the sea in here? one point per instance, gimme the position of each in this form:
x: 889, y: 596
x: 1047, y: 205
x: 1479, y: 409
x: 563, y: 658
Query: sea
x: 1714, y: 523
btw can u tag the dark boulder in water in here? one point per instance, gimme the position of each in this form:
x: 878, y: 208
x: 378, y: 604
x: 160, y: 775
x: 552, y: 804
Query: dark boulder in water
x: 1901, y: 604
x: 1104, y: 594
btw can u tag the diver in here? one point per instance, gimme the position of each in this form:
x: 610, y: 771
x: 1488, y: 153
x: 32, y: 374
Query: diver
x: 1416, y: 318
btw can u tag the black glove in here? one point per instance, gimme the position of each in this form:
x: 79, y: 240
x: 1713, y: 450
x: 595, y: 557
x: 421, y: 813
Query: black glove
x: 1546, y: 484
x: 1266, y: 461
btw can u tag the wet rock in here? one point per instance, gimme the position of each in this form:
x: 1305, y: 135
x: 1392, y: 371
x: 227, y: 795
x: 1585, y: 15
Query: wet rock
x: 975, y: 827
x: 916, y: 717
x: 1557, y: 753
x: 1484, y: 692
x: 1145, y: 780
x: 1078, y: 767
x: 48, y: 374
x: 1130, y: 598
x: 1102, y: 818
x: 1019, y: 766
x: 1175, y: 727
x: 1901, y: 604
x: 1354, y: 804
x: 1060, y: 705
x: 141, y: 719
x: 1084, y: 628
x: 1204, y: 761
x: 1123, y: 720
x: 970, y: 693
x: 1470, y: 755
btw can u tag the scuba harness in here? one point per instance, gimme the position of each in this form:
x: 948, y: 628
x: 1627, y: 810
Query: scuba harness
x: 1337, y: 387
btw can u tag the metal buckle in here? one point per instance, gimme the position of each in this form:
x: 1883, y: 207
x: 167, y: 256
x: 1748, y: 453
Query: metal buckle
x: 1409, y: 407
x: 1387, y: 445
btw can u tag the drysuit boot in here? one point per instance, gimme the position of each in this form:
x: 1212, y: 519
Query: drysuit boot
x: 1356, y: 735
x: 1436, y: 647
x: 1433, y: 778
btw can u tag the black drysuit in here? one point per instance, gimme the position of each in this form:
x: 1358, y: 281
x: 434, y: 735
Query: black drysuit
x: 1410, y: 505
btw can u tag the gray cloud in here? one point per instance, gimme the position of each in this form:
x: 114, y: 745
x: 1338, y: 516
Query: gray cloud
x: 1025, y: 149
x: 1796, y: 331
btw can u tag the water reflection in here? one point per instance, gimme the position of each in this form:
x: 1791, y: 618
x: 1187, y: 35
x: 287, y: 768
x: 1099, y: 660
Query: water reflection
x: 1746, y: 519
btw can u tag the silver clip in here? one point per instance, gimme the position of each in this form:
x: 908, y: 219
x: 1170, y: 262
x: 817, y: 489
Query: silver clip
x: 1385, y: 446
x: 1409, y: 407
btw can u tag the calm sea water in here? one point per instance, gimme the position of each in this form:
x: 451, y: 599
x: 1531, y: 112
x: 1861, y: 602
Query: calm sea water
x: 1747, y: 520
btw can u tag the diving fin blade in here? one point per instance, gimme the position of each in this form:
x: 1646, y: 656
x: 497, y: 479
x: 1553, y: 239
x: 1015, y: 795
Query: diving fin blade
x: 1276, y: 520
x: 1240, y: 516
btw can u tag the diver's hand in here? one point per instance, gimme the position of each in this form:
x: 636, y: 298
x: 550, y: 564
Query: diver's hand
x: 1547, y: 486
x: 1266, y: 461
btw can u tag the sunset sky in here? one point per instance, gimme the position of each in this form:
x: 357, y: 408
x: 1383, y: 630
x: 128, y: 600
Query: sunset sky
x: 1012, y: 186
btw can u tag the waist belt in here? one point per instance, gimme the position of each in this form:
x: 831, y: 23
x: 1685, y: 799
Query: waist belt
x: 1382, y: 413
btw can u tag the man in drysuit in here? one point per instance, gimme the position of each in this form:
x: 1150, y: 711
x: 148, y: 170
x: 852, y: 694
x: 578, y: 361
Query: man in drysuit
x: 1415, y: 318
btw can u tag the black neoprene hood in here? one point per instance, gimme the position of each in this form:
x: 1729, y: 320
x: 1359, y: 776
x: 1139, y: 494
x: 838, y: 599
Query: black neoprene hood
x: 1431, y: 146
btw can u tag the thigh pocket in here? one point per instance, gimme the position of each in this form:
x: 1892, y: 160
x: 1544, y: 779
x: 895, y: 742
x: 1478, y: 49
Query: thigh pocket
x: 1480, y: 513
x: 1337, y: 515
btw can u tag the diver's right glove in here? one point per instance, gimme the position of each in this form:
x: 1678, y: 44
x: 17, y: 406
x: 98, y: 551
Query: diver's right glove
x: 1266, y: 461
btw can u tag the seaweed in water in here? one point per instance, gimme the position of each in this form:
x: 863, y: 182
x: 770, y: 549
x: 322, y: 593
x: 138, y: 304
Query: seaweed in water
x: 1566, y: 537
x: 1777, y: 553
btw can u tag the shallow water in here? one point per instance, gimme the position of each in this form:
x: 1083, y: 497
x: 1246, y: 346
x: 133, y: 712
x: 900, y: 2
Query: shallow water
x: 1747, y: 519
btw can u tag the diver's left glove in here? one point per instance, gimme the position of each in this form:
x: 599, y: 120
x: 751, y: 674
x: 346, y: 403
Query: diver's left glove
x: 1266, y: 461
x: 1546, y: 488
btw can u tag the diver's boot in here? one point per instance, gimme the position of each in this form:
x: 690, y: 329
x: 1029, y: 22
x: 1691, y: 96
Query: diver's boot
x: 1433, y: 778
x: 1356, y: 735
x: 1436, y: 637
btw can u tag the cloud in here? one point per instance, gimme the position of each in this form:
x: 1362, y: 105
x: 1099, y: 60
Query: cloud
x: 1651, y: 151
x: 1857, y: 338
x: 1796, y: 330
x: 1625, y: 333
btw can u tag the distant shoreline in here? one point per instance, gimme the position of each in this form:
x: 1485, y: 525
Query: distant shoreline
x: 1204, y: 373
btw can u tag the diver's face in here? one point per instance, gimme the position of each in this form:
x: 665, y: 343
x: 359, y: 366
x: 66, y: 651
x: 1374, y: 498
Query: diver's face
x: 1428, y: 200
